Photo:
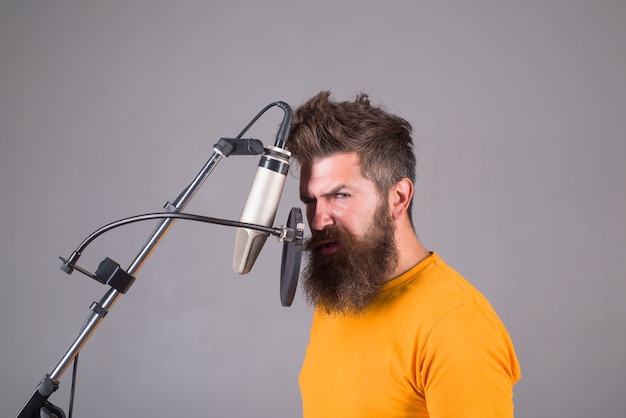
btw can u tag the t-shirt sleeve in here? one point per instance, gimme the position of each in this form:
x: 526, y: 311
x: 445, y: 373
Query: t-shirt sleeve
x: 468, y: 365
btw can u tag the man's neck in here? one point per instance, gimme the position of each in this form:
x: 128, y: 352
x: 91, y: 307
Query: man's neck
x: 410, y: 251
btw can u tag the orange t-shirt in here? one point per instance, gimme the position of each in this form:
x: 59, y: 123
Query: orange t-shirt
x: 430, y: 345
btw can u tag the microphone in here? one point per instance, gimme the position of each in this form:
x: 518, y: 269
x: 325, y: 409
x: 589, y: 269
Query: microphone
x: 262, y: 202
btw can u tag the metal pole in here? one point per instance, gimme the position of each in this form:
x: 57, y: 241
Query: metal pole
x: 50, y: 382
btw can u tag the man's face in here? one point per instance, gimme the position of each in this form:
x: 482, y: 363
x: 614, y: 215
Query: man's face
x: 351, y: 251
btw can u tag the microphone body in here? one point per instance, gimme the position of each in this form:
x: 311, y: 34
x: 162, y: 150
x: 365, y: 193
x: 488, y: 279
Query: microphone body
x: 261, y: 206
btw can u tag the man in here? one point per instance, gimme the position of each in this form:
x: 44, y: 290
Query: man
x: 396, y: 332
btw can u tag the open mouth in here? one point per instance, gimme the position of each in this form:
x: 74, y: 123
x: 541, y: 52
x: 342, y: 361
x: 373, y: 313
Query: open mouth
x: 329, y: 247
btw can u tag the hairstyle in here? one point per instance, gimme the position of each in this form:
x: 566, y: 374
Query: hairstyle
x: 323, y: 127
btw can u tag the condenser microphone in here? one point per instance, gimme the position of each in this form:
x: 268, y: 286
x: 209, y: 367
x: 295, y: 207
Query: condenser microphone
x: 262, y: 202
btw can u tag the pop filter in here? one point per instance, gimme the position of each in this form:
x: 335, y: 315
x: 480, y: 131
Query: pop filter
x: 292, y: 256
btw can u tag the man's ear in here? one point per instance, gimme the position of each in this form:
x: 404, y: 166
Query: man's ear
x: 400, y: 196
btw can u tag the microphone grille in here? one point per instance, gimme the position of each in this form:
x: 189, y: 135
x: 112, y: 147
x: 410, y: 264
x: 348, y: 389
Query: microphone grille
x: 248, y: 245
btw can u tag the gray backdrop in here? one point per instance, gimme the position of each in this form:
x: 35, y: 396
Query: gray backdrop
x: 109, y: 108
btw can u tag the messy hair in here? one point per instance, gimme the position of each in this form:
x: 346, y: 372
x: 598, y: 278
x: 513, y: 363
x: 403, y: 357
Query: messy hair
x: 323, y: 127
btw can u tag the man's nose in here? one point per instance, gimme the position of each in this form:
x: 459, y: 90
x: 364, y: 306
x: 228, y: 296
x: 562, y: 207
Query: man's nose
x: 320, y: 217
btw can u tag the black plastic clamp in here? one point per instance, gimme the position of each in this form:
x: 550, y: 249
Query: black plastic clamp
x: 112, y: 274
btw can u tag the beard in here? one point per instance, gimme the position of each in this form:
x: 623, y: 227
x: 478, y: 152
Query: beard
x: 348, y: 280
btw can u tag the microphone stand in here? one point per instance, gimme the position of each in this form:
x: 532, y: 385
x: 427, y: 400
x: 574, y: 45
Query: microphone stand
x: 120, y: 281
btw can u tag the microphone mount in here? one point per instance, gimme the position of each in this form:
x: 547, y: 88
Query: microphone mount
x: 236, y: 146
x: 109, y: 272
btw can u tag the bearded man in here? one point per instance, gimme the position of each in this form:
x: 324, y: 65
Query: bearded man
x: 396, y: 332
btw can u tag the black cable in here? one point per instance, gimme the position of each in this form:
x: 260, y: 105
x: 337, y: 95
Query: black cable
x: 253, y: 121
x: 73, y: 387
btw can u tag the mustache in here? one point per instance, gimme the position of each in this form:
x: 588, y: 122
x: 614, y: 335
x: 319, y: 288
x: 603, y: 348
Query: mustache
x: 318, y: 238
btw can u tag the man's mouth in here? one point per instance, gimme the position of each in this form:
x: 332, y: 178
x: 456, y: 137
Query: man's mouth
x: 329, y: 247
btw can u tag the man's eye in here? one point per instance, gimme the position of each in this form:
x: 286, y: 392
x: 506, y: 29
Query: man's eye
x: 341, y: 195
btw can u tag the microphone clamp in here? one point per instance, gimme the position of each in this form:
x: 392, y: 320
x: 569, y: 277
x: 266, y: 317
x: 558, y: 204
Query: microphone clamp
x: 288, y: 234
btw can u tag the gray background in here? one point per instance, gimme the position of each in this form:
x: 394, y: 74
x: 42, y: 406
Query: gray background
x: 109, y: 108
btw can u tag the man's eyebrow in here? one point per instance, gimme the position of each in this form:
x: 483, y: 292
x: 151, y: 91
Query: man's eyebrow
x: 336, y: 189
